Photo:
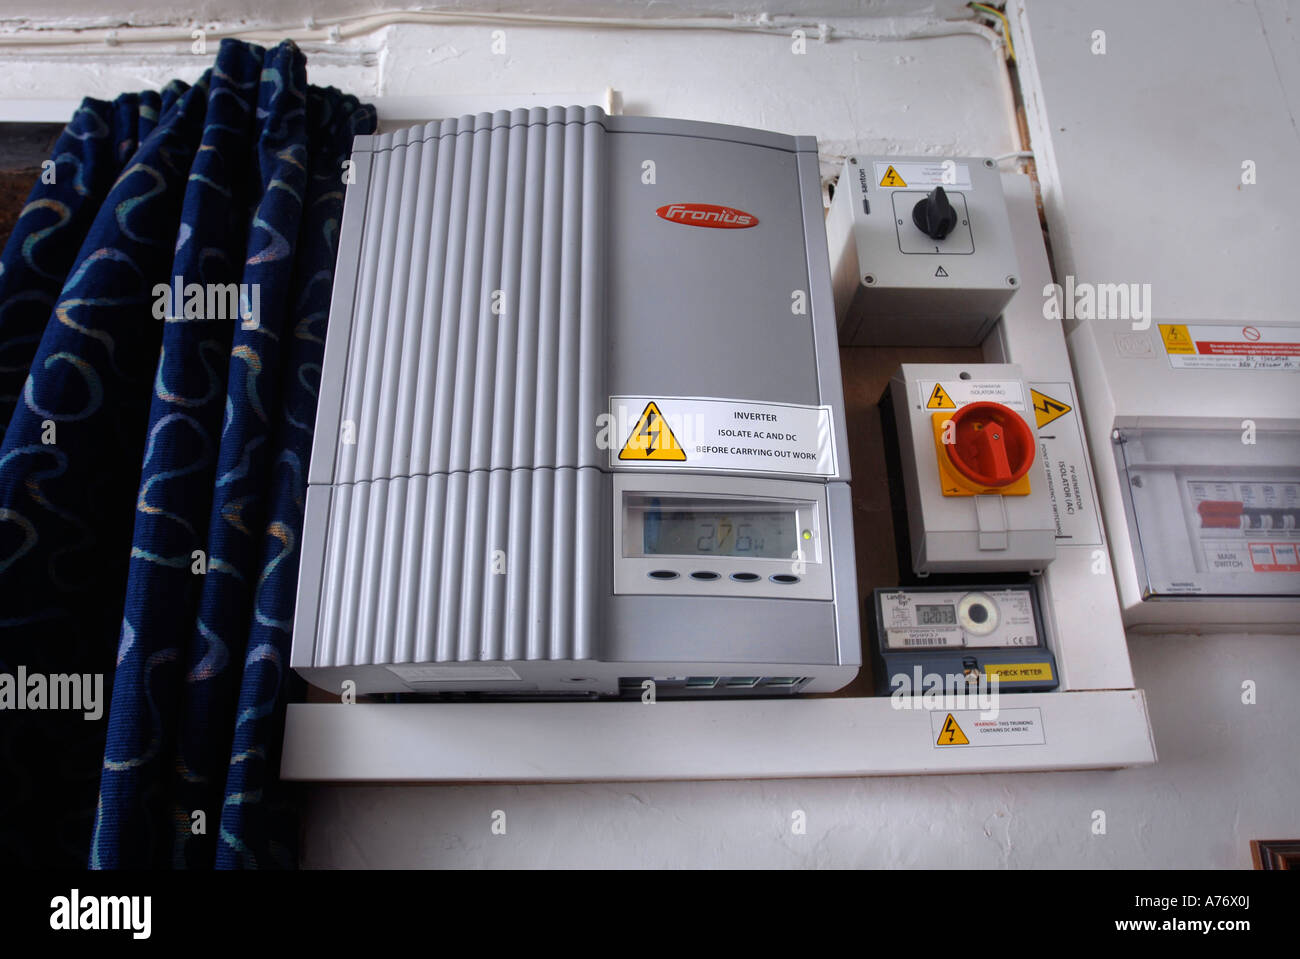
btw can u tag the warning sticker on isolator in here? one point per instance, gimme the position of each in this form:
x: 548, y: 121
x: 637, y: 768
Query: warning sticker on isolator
x: 715, y: 434
x: 902, y: 174
x: 971, y: 727
x: 951, y: 394
x: 1065, y: 462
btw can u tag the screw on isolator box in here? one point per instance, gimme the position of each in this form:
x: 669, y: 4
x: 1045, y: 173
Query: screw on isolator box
x: 921, y: 251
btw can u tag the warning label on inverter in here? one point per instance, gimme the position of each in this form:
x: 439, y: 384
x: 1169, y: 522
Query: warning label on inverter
x: 680, y: 432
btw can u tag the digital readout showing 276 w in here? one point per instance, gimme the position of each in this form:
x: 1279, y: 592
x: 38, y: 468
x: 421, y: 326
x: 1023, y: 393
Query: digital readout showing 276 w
x: 690, y: 533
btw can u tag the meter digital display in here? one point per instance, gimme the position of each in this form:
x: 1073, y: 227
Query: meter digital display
x: 936, y: 615
x: 712, y: 532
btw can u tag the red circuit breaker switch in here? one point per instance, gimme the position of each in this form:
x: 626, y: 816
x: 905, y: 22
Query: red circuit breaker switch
x: 1220, y: 514
x: 983, y: 448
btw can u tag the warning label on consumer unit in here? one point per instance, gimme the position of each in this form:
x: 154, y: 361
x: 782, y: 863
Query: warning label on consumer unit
x: 901, y: 174
x: 1061, y: 449
x: 950, y: 394
x: 968, y: 727
x: 713, y: 434
x: 1195, y: 347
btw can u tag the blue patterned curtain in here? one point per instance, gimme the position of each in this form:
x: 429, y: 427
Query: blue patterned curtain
x: 154, y: 460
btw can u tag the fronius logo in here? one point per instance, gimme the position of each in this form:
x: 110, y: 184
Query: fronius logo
x: 706, y: 214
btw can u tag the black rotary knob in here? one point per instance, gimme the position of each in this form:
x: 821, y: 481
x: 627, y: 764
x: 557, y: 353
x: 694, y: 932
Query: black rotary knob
x: 934, y: 216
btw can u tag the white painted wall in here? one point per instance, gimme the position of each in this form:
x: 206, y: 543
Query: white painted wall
x: 1142, y: 174
x: 855, y: 96
x: 942, y: 95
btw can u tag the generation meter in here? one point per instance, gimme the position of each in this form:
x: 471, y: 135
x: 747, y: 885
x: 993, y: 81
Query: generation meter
x: 581, y: 425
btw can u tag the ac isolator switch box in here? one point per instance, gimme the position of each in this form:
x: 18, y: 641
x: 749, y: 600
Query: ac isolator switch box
x: 920, y: 250
x: 977, y: 500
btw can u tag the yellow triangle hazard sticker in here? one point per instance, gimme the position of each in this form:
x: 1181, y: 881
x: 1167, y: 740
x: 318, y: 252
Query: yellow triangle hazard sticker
x: 1177, y: 338
x: 652, y: 439
x: 891, y: 178
x: 939, y: 399
x: 951, y: 734
x: 1047, y: 409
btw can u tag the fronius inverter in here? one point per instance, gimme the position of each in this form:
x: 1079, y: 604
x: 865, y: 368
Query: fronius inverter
x: 581, y: 424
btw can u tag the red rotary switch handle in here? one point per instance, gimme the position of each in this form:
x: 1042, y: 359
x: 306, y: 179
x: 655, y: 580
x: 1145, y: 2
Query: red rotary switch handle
x: 992, y: 445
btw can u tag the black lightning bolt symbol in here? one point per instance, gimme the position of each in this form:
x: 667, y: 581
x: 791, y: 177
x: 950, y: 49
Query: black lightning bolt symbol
x: 652, y: 435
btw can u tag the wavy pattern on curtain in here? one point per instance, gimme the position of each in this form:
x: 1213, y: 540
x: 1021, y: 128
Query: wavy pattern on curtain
x: 163, y: 306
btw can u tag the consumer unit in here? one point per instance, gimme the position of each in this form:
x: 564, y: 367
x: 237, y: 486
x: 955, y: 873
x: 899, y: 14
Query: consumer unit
x: 1196, y: 430
x: 581, y: 428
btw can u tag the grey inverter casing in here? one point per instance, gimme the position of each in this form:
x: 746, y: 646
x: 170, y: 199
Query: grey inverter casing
x: 581, y: 422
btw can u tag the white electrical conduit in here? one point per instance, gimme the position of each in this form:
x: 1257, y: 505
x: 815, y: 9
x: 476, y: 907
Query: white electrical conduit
x: 335, y: 30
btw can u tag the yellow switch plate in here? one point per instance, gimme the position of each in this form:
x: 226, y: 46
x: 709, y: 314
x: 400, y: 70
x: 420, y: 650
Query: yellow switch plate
x: 953, y: 483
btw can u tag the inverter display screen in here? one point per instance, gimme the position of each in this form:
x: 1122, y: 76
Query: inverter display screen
x: 711, y: 532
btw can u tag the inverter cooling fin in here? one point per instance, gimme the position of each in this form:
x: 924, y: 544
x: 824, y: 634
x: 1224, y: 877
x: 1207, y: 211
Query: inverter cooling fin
x: 459, y: 449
